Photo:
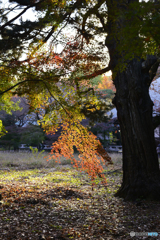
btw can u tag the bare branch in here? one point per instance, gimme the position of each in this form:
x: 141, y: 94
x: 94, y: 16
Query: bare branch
x: 10, y: 10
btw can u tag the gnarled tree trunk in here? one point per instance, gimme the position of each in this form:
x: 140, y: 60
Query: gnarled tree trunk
x: 141, y: 176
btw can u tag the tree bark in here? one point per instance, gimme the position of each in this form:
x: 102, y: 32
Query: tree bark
x: 141, y: 175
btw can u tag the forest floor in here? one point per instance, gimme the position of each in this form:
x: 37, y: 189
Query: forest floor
x: 60, y: 203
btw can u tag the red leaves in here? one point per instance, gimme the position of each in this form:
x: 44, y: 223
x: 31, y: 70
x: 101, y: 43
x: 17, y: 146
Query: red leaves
x: 103, y: 153
x: 147, y: 39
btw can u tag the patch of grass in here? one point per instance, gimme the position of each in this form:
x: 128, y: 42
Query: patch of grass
x: 116, y: 158
x: 25, y: 160
x: 29, y: 160
x: 37, y: 177
x: 66, y: 162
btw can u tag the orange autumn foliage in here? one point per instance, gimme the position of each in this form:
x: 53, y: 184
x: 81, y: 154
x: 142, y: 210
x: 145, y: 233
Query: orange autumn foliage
x: 107, y: 83
x: 91, y: 153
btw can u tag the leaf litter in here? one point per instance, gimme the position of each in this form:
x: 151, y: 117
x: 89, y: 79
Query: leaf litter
x: 62, y: 204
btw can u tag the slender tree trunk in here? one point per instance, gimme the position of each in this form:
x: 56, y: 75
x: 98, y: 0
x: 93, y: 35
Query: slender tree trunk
x: 141, y: 176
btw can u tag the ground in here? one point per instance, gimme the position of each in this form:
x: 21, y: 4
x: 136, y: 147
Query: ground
x: 60, y: 203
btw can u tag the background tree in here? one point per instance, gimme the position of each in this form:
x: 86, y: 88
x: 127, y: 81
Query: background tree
x: 95, y: 82
x: 32, y: 135
x: 106, y: 83
x: 99, y: 25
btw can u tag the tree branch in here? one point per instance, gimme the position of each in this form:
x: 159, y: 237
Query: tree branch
x: 37, y: 80
x: 95, y: 74
x: 17, y: 84
x: 102, y: 21
x: 93, y: 10
x: 10, y: 10
x: 27, y: 80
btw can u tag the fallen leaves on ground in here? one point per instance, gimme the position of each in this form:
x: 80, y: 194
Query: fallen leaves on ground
x: 62, y: 204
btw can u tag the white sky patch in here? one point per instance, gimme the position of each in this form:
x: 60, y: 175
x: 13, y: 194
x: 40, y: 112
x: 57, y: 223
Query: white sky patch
x: 109, y: 73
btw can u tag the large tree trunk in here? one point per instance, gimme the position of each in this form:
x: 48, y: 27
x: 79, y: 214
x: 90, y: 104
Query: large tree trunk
x: 141, y: 176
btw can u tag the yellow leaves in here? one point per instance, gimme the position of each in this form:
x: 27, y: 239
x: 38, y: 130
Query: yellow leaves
x: 106, y: 83
x: 2, y: 129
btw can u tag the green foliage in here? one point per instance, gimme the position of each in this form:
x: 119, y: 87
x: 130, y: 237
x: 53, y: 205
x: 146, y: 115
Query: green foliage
x: 35, y: 152
x: 138, y: 35
x: 7, y: 104
x: 95, y: 81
